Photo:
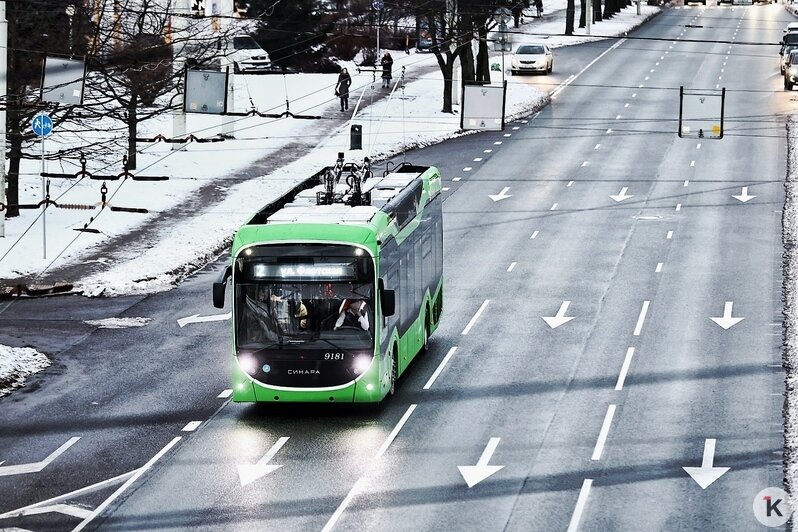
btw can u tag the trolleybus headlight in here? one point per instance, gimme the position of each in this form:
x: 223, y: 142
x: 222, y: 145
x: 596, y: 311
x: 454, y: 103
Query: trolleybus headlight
x: 248, y: 363
x: 362, y: 363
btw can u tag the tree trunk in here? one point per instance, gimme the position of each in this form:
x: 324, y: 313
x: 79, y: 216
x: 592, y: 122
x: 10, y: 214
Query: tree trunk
x: 467, y: 63
x: 596, y: 10
x: 582, y: 13
x: 569, y: 17
x: 132, y: 123
x: 447, y: 91
x: 607, y: 9
x: 483, y: 56
x: 12, y: 176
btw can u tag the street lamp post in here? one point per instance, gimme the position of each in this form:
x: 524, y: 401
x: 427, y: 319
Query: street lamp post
x: 70, y: 12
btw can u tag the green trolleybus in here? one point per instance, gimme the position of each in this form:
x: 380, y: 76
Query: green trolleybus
x: 337, y: 285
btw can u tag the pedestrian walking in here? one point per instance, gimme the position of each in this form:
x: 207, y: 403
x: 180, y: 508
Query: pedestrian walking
x: 387, y: 65
x: 342, y: 88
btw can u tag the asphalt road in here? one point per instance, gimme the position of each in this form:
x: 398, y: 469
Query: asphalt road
x: 624, y: 395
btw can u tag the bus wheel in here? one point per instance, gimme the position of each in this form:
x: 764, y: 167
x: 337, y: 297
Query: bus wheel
x: 425, y: 346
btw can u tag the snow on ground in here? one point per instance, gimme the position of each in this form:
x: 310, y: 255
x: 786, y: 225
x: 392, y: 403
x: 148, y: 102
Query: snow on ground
x: 16, y: 363
x: 790, y: 296
x: 119, y: 323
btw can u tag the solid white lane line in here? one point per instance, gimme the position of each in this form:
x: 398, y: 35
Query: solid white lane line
x: 467, y: 169
x: 670, y: 235
x: 692, y: 163
x: 101, y: 508
x: 581, y: 501
x: 534, y: 235
x: 340, y: 510
x: 476, y: 317
x: 569, y: 183
x: 225, y: 394
x: 191, y: 426
x: 686, y: 182
x: 512, y: 266
x: 571, y: 79
x: 625, y: 369
x: 658, y: 269
x: 641, y: 318
x: 440, y: 367
x: 395, y: 432
x: 678, y: 206
x: 597, y: 146
x: 554, y: 207
x: 456, y: 178
x: 605, y: 430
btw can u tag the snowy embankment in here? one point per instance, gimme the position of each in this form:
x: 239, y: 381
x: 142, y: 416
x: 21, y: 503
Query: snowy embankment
x: 16, y: 363
x: 790, y: 296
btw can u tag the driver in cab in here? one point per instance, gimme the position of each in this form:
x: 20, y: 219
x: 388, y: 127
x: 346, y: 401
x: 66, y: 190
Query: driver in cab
x: 352, y: 313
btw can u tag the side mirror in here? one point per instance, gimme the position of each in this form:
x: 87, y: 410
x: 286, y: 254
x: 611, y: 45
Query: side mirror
x: 219, y: 287
x: 388, y: 302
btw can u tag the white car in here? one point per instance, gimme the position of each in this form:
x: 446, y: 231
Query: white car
x: 532, y: 58
x: 246, y: 54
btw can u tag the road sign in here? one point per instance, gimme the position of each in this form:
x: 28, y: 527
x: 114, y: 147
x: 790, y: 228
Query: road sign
x: 42, y: 124
x: 378, y: 5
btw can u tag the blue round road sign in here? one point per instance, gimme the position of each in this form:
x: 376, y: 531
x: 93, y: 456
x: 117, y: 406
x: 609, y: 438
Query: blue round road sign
x: 42, y: 124
x: 378, y: 5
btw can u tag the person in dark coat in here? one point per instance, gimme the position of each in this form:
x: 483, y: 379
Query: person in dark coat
x: 387, y: 65
x: 342, y: 88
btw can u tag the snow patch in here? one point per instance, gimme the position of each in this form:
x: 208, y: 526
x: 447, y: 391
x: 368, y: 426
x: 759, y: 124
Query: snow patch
x: 119, y: 323
x: 16, y: 363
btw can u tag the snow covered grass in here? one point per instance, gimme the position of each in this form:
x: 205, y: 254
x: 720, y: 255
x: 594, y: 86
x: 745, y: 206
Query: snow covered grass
x: 790, y: 296
x: 16, y: 363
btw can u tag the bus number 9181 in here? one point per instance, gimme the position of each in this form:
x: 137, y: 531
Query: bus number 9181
x: 333, y: 356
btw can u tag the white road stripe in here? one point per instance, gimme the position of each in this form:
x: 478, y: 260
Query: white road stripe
x: 477, y: 159
x: 467, y: 169
x: 487, y: 151
x: 626, y: 105
x: 444, y: 189
x: 573, y: 77
x: 658, y: 269
x: 554, y: 207
x: 497, y: 143
x: 618, y: 117
x: 609, y: 131
x: 395, y: 432
x: 581, y: 501
x: 625, y: 369
x: 605, y: 430
x: 686, y: 182
x: 698, y: 146
x: 340, y: 510
x: 670, y: 235
x: 641, y: 318
x: 534, y: 235
x: 191, y: 426
x: 438, y: 371
x: 512, y: 266
x: 597, y: 146
x: 634, y: 95
x: 476, y: 317
x: 584, y: 164
x: 569, y: 183
x: 516, y: 128
x: 692, y: 163
x: 508, y: 134
x: 101, y: 508
x: 678, y: 206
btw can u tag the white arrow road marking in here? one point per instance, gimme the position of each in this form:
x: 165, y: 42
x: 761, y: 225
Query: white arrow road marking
x: 250, y: 473
x: 622, y: 195
x: 473, y: 475
x: 560, y: 318
x: 743, y: 196
x: 196, y: 318
x: 501, y: 195
x: 35, y: 467
x: 727, y: 321
x: 706, y: 474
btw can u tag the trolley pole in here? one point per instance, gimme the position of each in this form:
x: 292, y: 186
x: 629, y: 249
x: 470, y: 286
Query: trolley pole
x: 179, y: 25
x: 3, y: 95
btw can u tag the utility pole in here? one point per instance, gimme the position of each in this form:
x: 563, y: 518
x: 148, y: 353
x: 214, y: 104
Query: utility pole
x: 179, y: 25
x: 4, y: 96
x: 228, y: 123
x: 452, y: 28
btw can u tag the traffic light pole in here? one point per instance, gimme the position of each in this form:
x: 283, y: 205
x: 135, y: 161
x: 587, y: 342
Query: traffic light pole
x: 3, y: 70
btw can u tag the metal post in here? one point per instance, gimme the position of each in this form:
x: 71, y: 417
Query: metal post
x: 3, y: 70
x: 179, y: 26
x: 228, y: 122
x: 44, y: 212
x: 638, y: 7
x: 589, y: 16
